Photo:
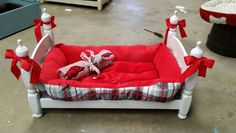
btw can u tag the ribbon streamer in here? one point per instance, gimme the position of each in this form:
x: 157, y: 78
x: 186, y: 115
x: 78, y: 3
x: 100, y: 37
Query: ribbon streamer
x: 26, y: 63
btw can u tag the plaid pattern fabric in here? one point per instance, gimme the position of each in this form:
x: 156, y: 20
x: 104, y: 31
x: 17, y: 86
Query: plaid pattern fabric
x: 160, y: 92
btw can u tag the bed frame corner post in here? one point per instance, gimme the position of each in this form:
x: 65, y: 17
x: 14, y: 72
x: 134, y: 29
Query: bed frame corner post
x: 33, y: 94
x: 47, y: 28
x: 171, y: 32
x: 190, y: 84
x: 99, y: 4
x: 186, y: 97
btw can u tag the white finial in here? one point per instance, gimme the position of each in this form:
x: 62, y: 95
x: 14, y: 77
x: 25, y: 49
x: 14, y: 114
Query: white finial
x: 45, y: 16
x: 19, y: 43
x: 174, y: 19
x: 21, y: 50
x: 44, y: 10
x: 197, y: 51
x: 199, y: 43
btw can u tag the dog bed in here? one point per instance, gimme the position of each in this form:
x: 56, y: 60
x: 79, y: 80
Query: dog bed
x: 139, y: 72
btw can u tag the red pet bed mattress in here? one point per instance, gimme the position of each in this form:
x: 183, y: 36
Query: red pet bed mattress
x: 138, y: 73
x: 219, y: 12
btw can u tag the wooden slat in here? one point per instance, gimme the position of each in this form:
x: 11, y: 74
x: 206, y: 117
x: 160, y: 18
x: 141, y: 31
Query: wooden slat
x: 41, y: 49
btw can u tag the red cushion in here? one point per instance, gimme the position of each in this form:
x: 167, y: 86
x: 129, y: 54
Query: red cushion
x: 138, y: 65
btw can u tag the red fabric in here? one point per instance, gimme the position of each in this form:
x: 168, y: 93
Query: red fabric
x: 195, y: 64
x: 230, y: 18
x: 137, y: 65
x: 181, y: 24
x: 26, y: 63
x: 74, y: 71
x: 38, y: 23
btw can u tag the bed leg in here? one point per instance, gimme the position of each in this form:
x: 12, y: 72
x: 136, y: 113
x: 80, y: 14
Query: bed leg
x: 100, y: 4
x: 186, y: 98
x: 33, y: 98
x: 33, y: 95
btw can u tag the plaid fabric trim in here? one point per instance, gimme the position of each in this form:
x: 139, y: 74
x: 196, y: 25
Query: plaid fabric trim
x: 160, y: 92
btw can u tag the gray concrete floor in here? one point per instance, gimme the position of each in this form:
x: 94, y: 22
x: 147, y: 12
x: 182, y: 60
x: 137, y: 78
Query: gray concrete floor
x: 122, y: 22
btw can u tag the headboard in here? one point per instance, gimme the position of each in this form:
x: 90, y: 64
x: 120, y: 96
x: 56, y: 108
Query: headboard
x: 178, y: 50
x: 41, y: 49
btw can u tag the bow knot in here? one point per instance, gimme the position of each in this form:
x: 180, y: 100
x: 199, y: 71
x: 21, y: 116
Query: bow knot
x: 26, y: 63
x: 89, y: 60
x: 38, y: 23
x: 200, y: 64
x: 181, y: 24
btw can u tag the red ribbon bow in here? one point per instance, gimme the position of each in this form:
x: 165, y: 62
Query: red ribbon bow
x: 38, y: 23
x: 26, y: 63
x: 181, y: 24
x: 200, y: 64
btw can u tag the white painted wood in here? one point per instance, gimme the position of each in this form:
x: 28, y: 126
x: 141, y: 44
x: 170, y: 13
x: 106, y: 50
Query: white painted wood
x: 99, y: 3
x: 33, y: 95
x: 109, y: 104
x: 47, y: 29
x: 186, y: 96
x: 178, y: 50
x: 189, y: 85
x: 41, y: 49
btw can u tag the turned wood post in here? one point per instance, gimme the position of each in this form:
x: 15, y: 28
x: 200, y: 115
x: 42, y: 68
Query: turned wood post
x: 47, y: 28
x: 172, y: 32
x: 33, y: 95
x: 190, y: 83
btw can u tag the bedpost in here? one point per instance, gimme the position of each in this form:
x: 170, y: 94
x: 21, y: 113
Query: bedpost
x: 33, y: 95
x: 172, y: 23
x: 99, y: 4
x: 174, y: 20
x: 47, y: 28
x: 190, y: 83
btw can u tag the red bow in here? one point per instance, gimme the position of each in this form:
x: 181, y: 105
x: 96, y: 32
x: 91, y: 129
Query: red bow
x: 200, y: 64
x: 38, y: 23
x: 26, y: 63
x: 181, y: 24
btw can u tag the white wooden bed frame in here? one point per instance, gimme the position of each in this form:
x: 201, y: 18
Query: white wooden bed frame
x: 37, y: 103
x: 98, y: 3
